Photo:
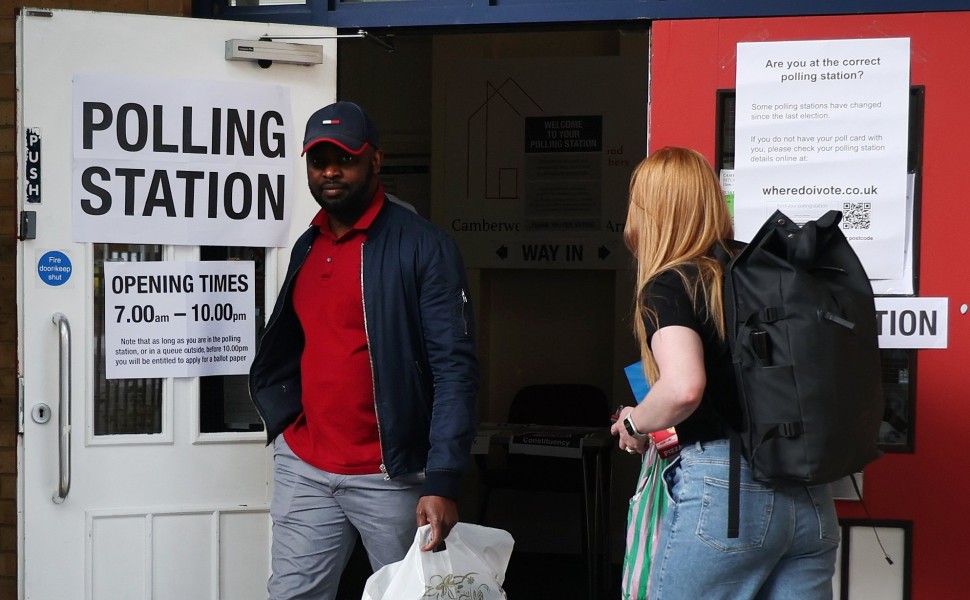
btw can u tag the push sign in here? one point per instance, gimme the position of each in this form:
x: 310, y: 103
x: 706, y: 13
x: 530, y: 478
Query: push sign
x: 32, y: 166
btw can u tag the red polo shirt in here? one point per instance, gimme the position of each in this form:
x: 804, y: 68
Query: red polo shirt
x: 337, y: 431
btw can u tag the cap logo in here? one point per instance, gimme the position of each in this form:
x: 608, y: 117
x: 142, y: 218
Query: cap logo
x: 331, y: 122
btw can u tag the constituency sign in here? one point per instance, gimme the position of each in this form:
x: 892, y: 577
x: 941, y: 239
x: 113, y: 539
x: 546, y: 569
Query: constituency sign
x: 191, y: 162
x: 823, y: 125
x: 179, y: 319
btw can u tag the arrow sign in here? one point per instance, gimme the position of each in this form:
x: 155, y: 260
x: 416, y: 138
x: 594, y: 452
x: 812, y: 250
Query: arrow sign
x: 502, y: 252
x: 603, y: 252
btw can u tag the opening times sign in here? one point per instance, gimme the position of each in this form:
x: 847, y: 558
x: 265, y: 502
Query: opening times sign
x: 179, y: 319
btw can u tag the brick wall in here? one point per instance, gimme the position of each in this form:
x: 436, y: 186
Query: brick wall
x: 8, y: 255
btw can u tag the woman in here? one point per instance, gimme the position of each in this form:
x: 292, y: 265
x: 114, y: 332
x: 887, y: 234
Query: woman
x: 788, y: 534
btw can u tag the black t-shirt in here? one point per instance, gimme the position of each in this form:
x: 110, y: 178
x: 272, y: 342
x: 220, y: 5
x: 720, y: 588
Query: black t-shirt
x: 672, y: 303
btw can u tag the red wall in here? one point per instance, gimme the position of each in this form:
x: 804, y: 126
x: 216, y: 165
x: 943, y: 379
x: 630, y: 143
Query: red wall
x: 692, y: 59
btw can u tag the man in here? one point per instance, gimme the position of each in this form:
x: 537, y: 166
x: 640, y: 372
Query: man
x: 367, y: 368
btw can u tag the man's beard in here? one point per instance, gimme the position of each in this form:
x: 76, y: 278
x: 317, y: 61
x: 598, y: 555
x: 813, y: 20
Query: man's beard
x: 351, y: 205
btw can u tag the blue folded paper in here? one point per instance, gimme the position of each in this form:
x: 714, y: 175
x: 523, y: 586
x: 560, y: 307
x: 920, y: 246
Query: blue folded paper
x: 638, y: 380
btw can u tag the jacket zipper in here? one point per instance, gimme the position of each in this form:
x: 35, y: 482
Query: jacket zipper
x: 464, y: 303
x: 370, y: 358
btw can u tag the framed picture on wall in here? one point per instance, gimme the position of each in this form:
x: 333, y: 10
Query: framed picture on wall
x: 875, y: 560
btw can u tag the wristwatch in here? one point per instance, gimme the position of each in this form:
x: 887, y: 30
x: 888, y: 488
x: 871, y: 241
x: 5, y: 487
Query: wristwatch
x: 631, y: 427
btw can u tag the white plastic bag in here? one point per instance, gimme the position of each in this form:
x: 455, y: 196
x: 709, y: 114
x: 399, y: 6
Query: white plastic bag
x: 471, y: 567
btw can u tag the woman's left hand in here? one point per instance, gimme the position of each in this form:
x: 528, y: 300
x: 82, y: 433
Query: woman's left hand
x: 628, y: 443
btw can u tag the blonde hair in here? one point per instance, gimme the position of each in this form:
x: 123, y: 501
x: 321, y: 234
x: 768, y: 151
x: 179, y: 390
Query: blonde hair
x: 676, y: 215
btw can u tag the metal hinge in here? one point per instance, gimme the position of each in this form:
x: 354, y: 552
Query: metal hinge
x: 20, y: 405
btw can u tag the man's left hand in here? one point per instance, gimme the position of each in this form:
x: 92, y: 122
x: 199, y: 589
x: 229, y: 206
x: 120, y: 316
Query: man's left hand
x: 441, y: 513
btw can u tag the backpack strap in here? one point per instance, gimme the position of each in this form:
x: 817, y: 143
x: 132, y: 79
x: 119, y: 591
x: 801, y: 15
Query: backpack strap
x: 791, y: 429
x: 734, y: 484
x: 770, y: 314
x: 725, y: 254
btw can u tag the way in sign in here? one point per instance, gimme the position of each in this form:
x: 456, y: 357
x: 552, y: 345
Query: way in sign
x: 550, y: 252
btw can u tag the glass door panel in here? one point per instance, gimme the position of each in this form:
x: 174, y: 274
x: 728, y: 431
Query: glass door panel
x: 224, y: 404
x: 121, y: 406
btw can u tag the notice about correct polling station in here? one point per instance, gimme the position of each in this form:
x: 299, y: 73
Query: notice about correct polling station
x: 179, y: 319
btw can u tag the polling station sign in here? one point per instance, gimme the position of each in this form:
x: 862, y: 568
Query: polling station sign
x: 910, y: 322
x: 191, y: 162
x: 179, y: 319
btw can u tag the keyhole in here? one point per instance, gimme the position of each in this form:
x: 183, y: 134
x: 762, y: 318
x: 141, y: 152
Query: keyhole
x: 41, y: 413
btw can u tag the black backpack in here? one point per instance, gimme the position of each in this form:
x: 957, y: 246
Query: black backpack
x: 801, y: 324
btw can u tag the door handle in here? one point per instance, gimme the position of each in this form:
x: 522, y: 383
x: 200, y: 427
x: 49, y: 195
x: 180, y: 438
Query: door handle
x: 63, y: 407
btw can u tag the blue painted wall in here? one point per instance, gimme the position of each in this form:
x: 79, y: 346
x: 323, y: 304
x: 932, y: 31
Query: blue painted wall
x: 445, y: 13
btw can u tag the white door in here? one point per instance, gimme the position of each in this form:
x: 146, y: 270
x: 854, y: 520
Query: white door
x: 142, y: 488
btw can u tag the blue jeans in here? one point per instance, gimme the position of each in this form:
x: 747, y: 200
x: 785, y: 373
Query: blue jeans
x: 316, y: 518
x: 787, y: 545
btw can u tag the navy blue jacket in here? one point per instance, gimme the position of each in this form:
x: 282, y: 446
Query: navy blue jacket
x: 420, y: 333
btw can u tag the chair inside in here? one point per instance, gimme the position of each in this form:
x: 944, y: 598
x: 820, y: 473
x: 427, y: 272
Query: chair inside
x: 554, y: 404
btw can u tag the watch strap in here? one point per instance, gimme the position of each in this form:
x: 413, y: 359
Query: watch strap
x: 631, y: 427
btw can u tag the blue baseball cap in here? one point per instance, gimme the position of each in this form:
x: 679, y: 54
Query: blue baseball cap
x: 344, y: 124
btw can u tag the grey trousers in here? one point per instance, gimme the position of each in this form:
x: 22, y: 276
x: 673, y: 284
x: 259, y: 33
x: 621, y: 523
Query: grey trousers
x: 316, y: 515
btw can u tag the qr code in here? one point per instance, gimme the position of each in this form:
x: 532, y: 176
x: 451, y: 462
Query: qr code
x: 855, y: 215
